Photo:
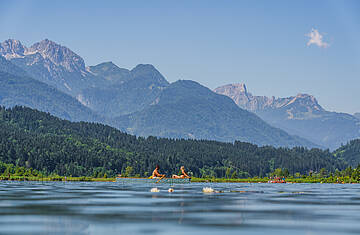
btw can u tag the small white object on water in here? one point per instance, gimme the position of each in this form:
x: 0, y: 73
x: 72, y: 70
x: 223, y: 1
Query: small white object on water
x: 208, y: 190
x: 155, y: 190
x: 171, y: 190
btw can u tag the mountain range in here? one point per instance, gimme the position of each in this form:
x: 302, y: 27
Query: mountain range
x: 300, y: 115
x: 33, y: 139
x: 105, y: 88
x: 52, y: 64
x: 186, y: 109
x: 125, y: 91
x: 52, y: 78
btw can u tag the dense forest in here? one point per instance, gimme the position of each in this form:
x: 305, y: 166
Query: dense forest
x: 37, y: 140
x: 350, y: 152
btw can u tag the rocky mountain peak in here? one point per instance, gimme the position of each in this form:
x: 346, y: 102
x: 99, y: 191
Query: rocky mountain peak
x: 12, y: 48
x: 242, y: 87
x: 305, y: 100
x: 49, y: 50
x: 305, y: 96
x: 239, y: 93
x: 301, y: 103
x: 49, y: 62
x: 232, y: 89
x: 59, y: 55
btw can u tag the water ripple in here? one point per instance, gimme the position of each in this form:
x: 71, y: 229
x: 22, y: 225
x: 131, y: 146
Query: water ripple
x: 92, y: 208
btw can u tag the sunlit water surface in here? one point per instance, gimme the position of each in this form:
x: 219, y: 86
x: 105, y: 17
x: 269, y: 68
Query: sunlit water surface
x: 105, y: 208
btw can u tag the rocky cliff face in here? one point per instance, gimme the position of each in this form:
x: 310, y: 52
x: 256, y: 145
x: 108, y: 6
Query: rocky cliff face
x: 12, y: 49
x: 301, y: 106
x: 58, y: 55
x: 300, y: 115
x: 48, y: 50
x: 238, y: 92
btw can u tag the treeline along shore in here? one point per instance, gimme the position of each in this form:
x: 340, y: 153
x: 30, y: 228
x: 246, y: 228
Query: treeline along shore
x: 9, y: 172
x: 36, y: 144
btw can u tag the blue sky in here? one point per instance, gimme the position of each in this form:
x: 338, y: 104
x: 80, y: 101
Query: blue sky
x: 260, y: 43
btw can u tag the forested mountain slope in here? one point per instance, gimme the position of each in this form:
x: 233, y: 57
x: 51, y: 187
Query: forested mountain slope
x: 350, y: 152
x: 23, y: 90
x: 186, y: 109
x: 8, y: 67
x: 125, y: 91
x: 44, y: 142
x: 112, y: 92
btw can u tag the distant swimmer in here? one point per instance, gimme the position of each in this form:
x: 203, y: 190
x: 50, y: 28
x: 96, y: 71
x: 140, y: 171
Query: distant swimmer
x: 156, y: 173
x: 183, y: 174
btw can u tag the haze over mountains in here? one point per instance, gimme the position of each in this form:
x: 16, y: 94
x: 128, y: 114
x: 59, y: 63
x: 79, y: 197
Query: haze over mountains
x: 125, y: 91
x: 25, y: 91
x: 186, y: 109
x: 357, y: 115
x: 299, y: 115
x: 52, y: 78
x: 8, y: 67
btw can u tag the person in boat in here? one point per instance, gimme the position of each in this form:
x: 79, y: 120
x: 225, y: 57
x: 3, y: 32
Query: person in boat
x: 156, y: 173
x: 183, y: 174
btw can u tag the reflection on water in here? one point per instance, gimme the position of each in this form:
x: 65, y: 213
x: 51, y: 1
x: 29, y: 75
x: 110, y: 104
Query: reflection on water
x: 99, y: 208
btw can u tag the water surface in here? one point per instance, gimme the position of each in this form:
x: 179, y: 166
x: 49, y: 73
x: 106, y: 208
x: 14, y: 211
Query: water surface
x: 104, y: 208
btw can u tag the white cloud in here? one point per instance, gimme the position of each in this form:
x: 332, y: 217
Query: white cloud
x: 316, y: 38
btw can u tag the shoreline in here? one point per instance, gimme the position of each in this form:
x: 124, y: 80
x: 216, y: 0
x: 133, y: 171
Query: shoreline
x: 341, y: 180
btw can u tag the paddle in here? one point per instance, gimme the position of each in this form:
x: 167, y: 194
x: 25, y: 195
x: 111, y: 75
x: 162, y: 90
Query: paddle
x: 162, y: 177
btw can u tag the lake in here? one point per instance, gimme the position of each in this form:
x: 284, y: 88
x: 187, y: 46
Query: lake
x: 105, y: 208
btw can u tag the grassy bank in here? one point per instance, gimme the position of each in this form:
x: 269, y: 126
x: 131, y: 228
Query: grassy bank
x: 223, y: 180
x: 56, y: 178
x: 340, y: 180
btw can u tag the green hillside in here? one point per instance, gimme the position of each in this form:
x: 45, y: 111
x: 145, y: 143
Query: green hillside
x: 30, y: 138
x: 125, y: 92
x: 22, y: 90
x: 350, y: 152
x: 188, y: 110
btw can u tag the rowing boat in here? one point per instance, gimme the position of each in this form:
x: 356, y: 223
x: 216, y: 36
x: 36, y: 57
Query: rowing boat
x: 152, y: 181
